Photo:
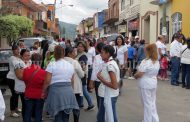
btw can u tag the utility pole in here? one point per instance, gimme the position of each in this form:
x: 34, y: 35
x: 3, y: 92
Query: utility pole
x: 164, y: 26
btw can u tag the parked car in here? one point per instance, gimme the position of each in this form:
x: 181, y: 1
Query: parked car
x: 28, y: 42
x: 5, y: 54
x: 111, y: 37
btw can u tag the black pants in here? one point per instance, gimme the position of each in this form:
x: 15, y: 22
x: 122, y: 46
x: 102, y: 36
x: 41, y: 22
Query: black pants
x: 63, y: 117
x: 14, y: 96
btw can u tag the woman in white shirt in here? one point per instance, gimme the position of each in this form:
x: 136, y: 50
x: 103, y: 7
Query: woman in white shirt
x: 19, y: 84
x: 121, y: 51
x: 185, y: 61
x: 147, y: 77
x: 108, y: 90
x: 58, y: 84
x: 90, y: 55
x: 11, y: 81
x: 2, y: 108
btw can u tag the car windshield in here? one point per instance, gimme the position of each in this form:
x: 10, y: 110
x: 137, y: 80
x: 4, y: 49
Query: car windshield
x: 111, y: 38
x: 29, y: 42
x: 5, y: 55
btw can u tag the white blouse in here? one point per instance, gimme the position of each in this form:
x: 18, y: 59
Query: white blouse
x: 121, y: 53
x: 150, y: 70
x: 79, y: 73
x: 185, y: 55
x: 2, y: 107
x: 19, y: 84
x: 107, y: 67
x: 61, y: 70
x: 90, y: 54
x: 97, y: 66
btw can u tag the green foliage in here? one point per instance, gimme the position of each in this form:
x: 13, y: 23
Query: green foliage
x: 13, y: 26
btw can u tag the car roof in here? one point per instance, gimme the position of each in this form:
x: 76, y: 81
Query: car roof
x: 33, y: 38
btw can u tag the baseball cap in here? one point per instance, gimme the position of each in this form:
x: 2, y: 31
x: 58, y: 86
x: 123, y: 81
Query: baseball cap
x: 51, y: 48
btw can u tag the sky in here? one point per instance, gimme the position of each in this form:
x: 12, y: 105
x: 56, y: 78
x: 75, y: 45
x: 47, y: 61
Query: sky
x: 81, y: 9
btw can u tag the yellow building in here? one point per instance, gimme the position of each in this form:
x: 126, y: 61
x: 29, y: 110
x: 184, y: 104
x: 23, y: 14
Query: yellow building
x: 180, y: 16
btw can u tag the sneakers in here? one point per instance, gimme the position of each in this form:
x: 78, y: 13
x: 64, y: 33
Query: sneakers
x: 18, y: 110
x: 14, y: 115
x: 131, y: 78
x: 90, y: 108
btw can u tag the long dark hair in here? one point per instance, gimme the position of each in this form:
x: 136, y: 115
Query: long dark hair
x: 121, y: 37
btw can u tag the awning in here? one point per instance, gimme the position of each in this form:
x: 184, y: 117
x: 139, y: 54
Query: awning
x: 34, y: 6
x: 121, y: 22
x: 111, y: 21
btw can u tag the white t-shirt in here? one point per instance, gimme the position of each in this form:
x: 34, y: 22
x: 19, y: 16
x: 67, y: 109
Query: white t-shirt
x: 19, y: 84
x: 162, y: 46
x: 109, y: 66
x: 2, y: 107
x: 121, y: 53
x: 61, y: 70
x: 11, y: 73
x: 185, y: 56
x: 90, y: 54
x: 150, y: 69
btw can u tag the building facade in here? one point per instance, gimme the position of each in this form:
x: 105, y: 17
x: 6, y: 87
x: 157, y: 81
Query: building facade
x: 128, y: 24
x: 180, y: 16
x: 98, y: 30
x: 111, y: 17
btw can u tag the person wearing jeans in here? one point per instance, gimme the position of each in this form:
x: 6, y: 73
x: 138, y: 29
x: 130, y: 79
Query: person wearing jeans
x: 108, y: 90
x: 82, y: 58
x: 33, y: 77
x: 97, y: 67
x: 175, y: 54
x: 185, y: 62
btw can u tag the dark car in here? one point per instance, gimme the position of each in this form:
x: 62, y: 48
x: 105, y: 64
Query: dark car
x: 5, y: 54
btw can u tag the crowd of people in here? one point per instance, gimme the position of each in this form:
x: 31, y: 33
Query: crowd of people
x: 53, y: 79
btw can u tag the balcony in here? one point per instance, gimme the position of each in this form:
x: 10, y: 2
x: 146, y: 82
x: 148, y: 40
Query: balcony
x: 41, y: 25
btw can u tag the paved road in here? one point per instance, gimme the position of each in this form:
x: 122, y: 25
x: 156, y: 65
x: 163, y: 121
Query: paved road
x: 173, y: 105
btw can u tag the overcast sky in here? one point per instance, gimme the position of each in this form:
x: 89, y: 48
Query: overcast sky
x: 82, y: 9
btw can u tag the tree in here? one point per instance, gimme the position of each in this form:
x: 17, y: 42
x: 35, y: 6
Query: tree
x: 13, y: 26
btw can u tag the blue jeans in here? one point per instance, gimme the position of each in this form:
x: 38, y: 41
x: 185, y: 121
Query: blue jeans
x: 33, y: 105
x: 101, y: 111
x: 175, y: 70
x: 97, y: 84
x: 87, y: 96
x: 186, y: 75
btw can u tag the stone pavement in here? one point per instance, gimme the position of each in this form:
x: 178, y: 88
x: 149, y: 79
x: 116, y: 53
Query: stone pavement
x: 173, y: 103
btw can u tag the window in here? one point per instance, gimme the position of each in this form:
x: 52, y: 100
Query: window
x: 176, y: 22
x: 167, y: 28
x: 122, y: 5
x: 131, y: 2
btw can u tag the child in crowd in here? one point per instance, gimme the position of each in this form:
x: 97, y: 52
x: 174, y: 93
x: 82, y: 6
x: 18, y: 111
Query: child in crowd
x: 164, y: 67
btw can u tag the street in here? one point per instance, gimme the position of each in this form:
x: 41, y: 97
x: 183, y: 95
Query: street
x: 173, y: 105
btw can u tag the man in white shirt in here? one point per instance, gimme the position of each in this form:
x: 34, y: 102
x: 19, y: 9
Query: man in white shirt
x: 97, y: 67
x: 175, y: 53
